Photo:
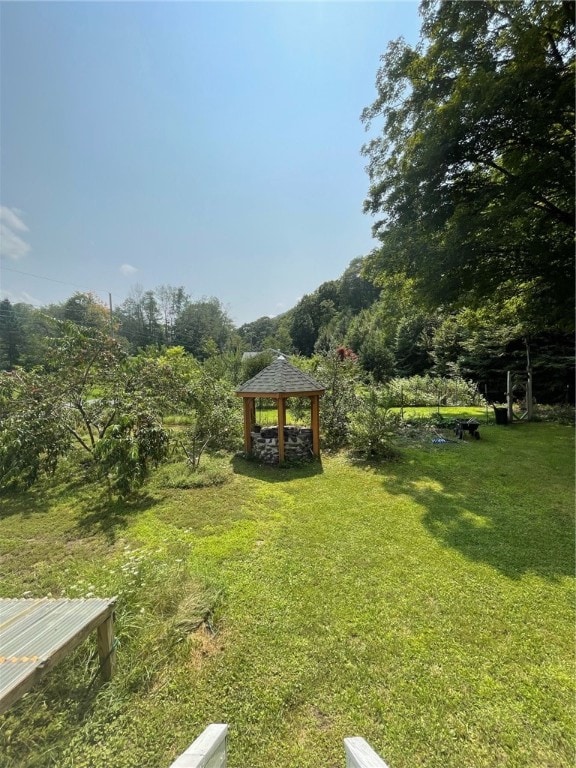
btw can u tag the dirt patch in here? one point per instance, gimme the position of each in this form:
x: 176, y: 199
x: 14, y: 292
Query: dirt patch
x: 204, y: 644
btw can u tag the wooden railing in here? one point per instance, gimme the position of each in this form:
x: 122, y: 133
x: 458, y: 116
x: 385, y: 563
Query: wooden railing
x: 210, y: 751
x: 359, y: 754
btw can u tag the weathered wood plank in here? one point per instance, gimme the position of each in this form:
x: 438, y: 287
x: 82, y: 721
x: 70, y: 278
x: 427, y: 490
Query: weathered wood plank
x: 315, y: 423
x: 359, y: 754
x: 106, y: 650
x: 281, y: 425
x: 209, y: 750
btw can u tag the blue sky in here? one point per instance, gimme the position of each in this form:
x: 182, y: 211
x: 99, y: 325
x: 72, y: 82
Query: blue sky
x: 214, y: 145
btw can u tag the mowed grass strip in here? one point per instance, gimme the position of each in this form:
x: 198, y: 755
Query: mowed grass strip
x: 426, y: 605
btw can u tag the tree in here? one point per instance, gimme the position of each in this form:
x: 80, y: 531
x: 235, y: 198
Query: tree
x: 472, y: 174
x: 355, y: 291
x: 171, y: 303
x: 303, y: 330
x: 36, y: 327
x: 137, y: 319
x: 374, y: 427
x: 11, y: 338
x: 254, y: 334
x: 87, y: 310
x: 215, y: 414
x: 93, y: 397
x: 373, y: 333
x: 340, y: 375
x: 201, y: 322
x: 413, y: 344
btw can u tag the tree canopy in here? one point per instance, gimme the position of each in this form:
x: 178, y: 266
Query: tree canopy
x: 471, y: 176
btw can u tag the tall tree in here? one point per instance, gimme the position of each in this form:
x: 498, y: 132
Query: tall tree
x: 11, y: 338
x: 87, y: 310
x: 201, y: 323
x: 472, y: 174
x: 171, y: 303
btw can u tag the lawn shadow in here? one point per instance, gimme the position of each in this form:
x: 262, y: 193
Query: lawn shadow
x: 276, y: 473
x: 490, y: 528
x: 24, y: 502
x: 41, y: 496
x: 108, y: 516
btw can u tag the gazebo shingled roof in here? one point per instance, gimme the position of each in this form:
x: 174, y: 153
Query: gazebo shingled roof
x: 281, y: 380
x: 280, y: 377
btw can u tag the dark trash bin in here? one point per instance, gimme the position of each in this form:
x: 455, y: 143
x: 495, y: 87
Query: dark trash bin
x: 501, y: 415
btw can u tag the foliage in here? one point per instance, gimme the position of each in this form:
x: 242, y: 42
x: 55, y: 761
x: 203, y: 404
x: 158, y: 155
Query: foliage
x: 92, y: 397
x: 484, y: 343
x: 33, y: 434
x: 179, y: 474
x: 430, y: 390
x: 380, y: 333
x: 202, y: 322
x: 253, y: 365
x: 10, y: 336
x: 373, y: 428
x: 87, y: 310
x: 340, y: 377
x: 216, y: 418
x: 557, y: 414
x: 471, y: 175
x: 254, y: 334
x: 128, y: 448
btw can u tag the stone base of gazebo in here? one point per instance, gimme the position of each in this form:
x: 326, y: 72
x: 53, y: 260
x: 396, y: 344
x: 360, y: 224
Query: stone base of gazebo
x: 297, y: 444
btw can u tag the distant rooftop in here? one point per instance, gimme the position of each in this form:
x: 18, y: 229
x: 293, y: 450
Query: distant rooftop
x: 280, y: 377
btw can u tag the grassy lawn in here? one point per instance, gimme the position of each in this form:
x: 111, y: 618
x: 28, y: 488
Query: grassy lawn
x: 426, y: 605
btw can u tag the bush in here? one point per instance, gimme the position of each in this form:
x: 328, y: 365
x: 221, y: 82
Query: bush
x: 340, y: 376
x: 560, y: 414
x: 373, y: 427
x: 181, y: 475
x: 432, y: 390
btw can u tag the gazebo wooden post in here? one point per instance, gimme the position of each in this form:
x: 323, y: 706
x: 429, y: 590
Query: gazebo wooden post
x: 281, y: 423
x: 315, y: 423
x: 248, y: 416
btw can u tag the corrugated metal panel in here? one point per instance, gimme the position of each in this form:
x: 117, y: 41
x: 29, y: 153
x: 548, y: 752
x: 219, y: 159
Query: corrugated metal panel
x: 35, y: 633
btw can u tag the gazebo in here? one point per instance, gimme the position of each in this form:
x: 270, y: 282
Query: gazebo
x: 279, y: 381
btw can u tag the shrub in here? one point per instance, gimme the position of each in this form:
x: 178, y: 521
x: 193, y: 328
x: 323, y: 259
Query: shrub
x: 432, y: 390
x: 340, y: 376
x: 560, y: 414
x: 373, y: 427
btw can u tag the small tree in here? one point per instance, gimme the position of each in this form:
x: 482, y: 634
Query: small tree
x: 128, y: 449
x: 216, y: 418
x: 340, y: 375
x: 32, y: 435
x: 373, y: 427
x: 93, y: 397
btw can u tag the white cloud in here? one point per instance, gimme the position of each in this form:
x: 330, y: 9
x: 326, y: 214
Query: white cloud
x: 11, y: 244
x: 128, y: 269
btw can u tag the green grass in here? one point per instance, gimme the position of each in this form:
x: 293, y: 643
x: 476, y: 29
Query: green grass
x: 483, y: 415
x: 426, y: 605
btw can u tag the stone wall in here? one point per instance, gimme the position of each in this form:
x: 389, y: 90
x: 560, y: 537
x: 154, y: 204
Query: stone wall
x: 297, y: 444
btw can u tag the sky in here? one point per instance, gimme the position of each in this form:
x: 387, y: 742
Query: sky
x: 213, y: 145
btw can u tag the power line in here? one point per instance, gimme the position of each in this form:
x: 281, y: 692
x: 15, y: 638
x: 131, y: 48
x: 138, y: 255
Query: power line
x: 53, y: 280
